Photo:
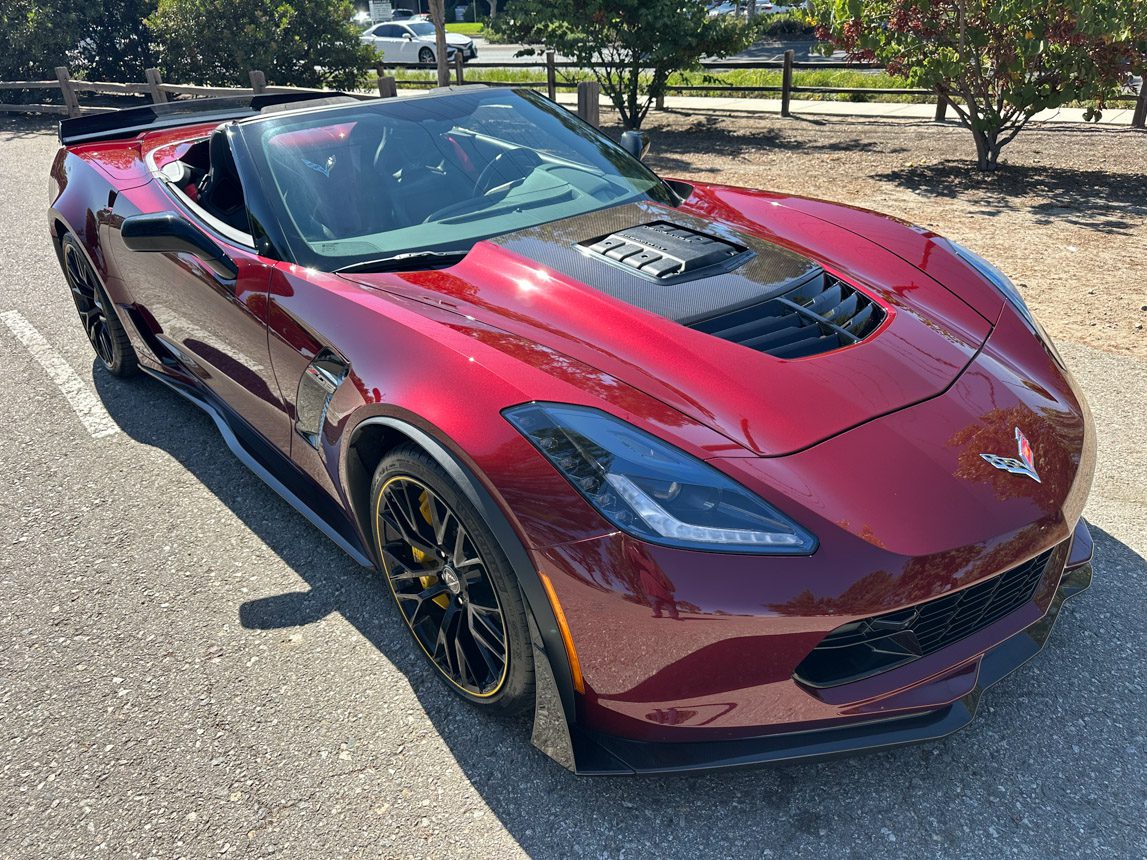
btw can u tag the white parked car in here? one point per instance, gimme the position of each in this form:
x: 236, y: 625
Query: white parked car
x: 413, y: 42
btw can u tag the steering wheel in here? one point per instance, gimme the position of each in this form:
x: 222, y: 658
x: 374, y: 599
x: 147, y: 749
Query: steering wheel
x: 507, y: 166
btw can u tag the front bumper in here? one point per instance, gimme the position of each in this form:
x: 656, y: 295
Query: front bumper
x: 592, y: 753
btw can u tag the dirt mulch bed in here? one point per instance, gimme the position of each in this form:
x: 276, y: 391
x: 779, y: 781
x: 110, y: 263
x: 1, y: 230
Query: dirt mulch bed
x: 1065, y: 216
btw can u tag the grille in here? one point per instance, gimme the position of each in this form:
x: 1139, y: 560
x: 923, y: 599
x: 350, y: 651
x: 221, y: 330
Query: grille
x: 820, y: 315
x: 862, y: 648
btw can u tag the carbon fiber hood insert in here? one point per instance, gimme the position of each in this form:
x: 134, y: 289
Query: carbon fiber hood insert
x: 665, y: 261
x: 666, y: 253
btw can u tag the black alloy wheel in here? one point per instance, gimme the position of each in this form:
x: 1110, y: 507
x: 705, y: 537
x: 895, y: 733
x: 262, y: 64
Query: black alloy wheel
x: 102, y: 327
x: 451, y: 583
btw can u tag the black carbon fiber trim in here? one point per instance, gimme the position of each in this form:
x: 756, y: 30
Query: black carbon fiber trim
x: 667, y: 253
x: 771, y: 270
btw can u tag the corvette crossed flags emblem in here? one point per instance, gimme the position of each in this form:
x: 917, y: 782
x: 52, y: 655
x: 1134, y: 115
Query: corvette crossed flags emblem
x: 1023, y: 465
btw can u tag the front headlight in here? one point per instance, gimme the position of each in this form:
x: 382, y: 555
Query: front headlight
x: 651, y: 489
x: 1004, y: 284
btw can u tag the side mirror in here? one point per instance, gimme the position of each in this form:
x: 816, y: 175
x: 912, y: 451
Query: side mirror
x: 636, y: 143
x: 170, y: 232
x: 408, y: 37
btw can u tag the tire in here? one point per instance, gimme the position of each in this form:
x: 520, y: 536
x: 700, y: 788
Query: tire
x: 457, y: 615
x: 426, y: 57
x: 97, y: 312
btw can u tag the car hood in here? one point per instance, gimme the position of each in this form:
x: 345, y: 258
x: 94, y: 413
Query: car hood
x: 541, y: 284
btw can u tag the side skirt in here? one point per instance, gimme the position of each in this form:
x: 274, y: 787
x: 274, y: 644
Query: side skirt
x: 275, y: 470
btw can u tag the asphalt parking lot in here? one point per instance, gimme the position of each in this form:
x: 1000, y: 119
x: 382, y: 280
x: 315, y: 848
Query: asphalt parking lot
x: 189, y: 669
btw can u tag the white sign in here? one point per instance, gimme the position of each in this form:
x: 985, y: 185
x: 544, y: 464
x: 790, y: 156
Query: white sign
x: 381, y: 10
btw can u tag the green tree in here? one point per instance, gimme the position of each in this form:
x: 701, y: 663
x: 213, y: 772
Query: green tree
x: 998, y: 62
x: 36, y: 36
x: 115, y: 44
x: 309, y: 43
x: 630, y: 46
x: 100, y: 40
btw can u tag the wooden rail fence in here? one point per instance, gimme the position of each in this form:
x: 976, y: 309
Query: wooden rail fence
x: 588, y: 92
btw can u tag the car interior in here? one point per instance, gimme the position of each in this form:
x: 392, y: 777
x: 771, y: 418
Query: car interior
x: 369, y: 183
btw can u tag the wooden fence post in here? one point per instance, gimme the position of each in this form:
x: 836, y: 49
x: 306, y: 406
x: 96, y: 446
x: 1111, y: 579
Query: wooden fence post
x: 941, y: 104
x: 1139, y: 118
x: 258, y: 81
x: 551, y: 77
x: 155, y: 84
x: 458, y: 76
x: 588, y: 102
x: 387, y: 87
x: 787, y: 83
x: 70, y: 101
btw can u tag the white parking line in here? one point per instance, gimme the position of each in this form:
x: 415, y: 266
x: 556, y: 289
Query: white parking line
x: 82, y: 399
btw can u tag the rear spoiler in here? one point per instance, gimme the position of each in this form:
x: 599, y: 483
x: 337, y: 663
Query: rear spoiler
x: 131, y: 121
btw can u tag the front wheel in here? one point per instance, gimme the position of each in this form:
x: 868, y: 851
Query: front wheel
x: 453, y: 585
x: 426, y: 57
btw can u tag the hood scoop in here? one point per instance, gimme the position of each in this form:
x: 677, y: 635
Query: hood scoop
x: 821, y: 314
x: 667, y: 253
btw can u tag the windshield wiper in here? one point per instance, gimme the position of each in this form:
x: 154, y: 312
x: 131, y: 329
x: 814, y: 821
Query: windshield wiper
x: 406, y: 261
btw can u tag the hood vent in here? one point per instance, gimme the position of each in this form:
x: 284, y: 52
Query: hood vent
x: 819, y: 315
x: 667, y: 253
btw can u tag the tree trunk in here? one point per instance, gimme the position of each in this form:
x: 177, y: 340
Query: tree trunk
x: 493, y: 9
x: 987, y: 149
x: 438, y: 16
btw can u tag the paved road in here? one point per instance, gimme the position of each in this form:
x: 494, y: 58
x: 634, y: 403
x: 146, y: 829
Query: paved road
x: 762, y: 51
x: 188, y: 669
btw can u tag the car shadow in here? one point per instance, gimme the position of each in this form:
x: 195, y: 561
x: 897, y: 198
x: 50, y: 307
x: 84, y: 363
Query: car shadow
x: 1066, y: 713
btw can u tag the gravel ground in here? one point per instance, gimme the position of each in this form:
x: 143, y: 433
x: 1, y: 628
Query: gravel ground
x: 188, y: 669
x: 1065, y: 217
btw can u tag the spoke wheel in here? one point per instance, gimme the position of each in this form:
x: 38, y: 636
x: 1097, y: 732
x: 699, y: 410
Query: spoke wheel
x: 443, y: 585
x: 88, y: 297
x: 97, y: 315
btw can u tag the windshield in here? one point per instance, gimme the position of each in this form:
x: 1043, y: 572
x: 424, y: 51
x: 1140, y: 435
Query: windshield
x: 422, y: 28
x: 379, y: 178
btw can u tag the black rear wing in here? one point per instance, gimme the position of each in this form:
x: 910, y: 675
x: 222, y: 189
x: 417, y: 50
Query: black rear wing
x: 131, y: 121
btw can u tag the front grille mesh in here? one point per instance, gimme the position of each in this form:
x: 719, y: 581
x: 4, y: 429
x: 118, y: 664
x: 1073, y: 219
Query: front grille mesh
x: 820, y: 315
x: 862, y: 648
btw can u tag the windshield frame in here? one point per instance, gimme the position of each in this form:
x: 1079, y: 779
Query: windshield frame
x: 286, y: 243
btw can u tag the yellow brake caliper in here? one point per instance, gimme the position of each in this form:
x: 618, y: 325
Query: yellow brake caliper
x: 421, y: 557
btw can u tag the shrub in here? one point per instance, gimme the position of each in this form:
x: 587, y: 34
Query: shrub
x: 309, y: 43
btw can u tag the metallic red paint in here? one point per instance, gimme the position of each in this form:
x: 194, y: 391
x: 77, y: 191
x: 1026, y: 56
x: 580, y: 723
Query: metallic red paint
x: 874, y: 448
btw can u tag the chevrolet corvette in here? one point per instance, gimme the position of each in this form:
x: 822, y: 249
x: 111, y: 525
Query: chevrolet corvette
x: 702, y: 476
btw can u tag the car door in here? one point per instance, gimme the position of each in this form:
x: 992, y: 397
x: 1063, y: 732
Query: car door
x: 393, y: 43
x: 205, y: 327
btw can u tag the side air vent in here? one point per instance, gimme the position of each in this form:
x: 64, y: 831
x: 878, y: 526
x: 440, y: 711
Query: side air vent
x: 819, y: 315
x: 667, y: 253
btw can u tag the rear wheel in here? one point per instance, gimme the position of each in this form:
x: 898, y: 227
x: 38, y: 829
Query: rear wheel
x: 452, y: 583
x: 426, y: 56
x: 97, y: 314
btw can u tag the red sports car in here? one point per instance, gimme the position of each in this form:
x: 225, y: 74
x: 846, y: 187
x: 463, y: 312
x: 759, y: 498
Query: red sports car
x: 704, y: 476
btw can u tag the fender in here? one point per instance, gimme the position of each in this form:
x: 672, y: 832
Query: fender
x: 555, y: 707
